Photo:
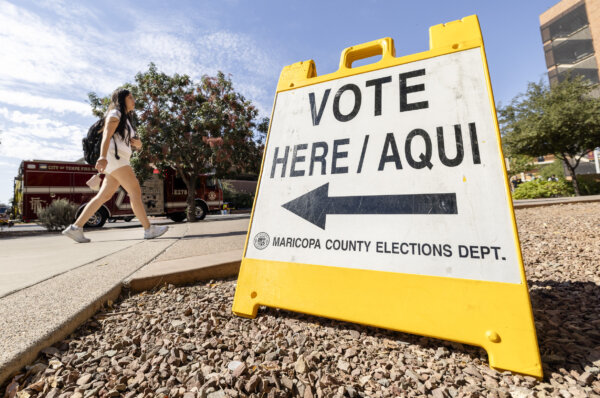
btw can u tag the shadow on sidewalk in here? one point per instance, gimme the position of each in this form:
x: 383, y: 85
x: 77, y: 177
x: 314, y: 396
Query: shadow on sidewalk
x: 221, y: 235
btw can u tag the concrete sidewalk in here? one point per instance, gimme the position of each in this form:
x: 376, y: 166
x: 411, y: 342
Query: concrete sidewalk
x: 33, y: 259
x: 34, y: 316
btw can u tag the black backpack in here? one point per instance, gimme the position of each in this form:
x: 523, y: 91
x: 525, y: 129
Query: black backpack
x: 92, y: 142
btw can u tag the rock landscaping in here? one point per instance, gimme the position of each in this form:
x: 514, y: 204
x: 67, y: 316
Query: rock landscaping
x: 185, y: 342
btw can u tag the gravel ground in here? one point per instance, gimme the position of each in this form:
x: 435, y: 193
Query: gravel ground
x: 185, y: 342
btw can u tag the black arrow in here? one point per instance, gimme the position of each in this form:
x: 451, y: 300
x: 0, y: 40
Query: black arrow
x: 315, y: 205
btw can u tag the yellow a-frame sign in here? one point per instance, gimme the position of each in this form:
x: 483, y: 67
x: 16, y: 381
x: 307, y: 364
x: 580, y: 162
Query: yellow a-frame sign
x: 383, y: 200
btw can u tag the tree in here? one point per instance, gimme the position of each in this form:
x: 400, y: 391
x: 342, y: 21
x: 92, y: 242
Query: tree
x: 553, y: 169
x: 193, y: 128
x: 99, y: 105
x: 563, y: 120
x: 196, y: 128
x: 519, y: 164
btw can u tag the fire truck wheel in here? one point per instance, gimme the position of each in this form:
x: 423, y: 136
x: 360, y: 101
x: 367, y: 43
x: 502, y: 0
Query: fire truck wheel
x: 201, y: 210
x: 98, y: 219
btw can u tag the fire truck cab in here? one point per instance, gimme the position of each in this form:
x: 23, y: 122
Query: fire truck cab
x: 40, y: 182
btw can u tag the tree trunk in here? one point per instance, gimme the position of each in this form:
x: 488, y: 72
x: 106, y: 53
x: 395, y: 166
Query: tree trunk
x: 571, y: 169
x: 191, y: 198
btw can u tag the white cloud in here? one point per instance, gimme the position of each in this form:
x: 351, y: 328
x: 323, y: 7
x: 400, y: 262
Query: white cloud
x: 26, y: 100
x: 173, y: 53
x: 74, y: 52
x: 36, y: 51
x: 251, y: 67
x: 68, y: 10
x: 19, y: 145
x: 5, y: 164
x: 59, y: 53
x: 52, y: 58
x: 33, y: 124
x: 53, y: 53
x: 31, y: 135
x: 236, y: 52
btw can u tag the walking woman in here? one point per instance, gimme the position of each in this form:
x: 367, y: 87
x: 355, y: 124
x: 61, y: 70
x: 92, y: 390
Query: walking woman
x: 114, y: 163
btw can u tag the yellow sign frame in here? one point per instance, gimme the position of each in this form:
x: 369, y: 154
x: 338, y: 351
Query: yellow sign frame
x: 492, y: 315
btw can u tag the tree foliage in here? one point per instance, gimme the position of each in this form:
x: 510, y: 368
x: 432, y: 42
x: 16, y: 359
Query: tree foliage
x: 99, y: 104
x: 563, y: 120
x: 519, y: 164
x: 553, y: 169
x: 193, y: 127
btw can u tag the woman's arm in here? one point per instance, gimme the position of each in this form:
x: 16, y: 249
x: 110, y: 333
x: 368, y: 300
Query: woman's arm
x: 107, y: 133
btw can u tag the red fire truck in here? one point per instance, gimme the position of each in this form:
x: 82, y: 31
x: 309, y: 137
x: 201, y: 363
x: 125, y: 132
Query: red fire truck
x: 42, y: 181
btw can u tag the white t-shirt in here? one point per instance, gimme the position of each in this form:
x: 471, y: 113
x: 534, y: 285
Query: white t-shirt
x: 122, y: 146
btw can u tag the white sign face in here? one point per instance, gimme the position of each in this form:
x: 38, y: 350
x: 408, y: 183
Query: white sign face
x: 394, y: 170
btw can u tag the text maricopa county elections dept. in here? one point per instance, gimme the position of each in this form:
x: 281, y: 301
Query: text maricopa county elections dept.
x: 322, y: 153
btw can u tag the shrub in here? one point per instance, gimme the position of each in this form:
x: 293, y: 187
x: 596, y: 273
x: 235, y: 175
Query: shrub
x: 589, y: 184
x: 236, y: 199
x: 543, y: 189
x: 58, y: 215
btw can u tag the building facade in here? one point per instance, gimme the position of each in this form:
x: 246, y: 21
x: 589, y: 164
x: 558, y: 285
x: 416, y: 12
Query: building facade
x: 571, y: 36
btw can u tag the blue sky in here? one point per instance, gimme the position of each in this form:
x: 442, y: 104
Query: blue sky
x: 52, y: 53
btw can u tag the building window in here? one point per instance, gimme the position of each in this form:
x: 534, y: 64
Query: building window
x: 572, y: 51
x: 569, y: 23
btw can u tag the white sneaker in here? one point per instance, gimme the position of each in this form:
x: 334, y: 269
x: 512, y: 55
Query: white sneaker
x: 75, y: 233
x: 155, y: 231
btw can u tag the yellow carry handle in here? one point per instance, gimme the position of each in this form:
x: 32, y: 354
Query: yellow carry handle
x: 383, y: 47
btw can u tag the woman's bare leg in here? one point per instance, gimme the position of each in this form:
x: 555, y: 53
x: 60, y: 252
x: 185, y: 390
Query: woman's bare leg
x: 129, y: 182
x: 108, y: 189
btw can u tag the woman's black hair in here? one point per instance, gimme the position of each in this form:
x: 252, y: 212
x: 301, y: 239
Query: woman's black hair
x: 118, y: 102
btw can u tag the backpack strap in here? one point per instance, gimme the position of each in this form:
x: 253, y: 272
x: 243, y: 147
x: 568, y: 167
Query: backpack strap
x: 116, y: 152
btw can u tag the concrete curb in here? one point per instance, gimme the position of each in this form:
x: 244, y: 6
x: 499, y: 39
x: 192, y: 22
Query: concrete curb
x: 219, y: 270
x: 7, y: 234
x: 37, y: 317
x: 62, y: 331
x: 187, y: 270
x: 526, y: 203
x: 207, y: 272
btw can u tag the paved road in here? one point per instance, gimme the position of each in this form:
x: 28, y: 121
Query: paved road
x: 30, y: 259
